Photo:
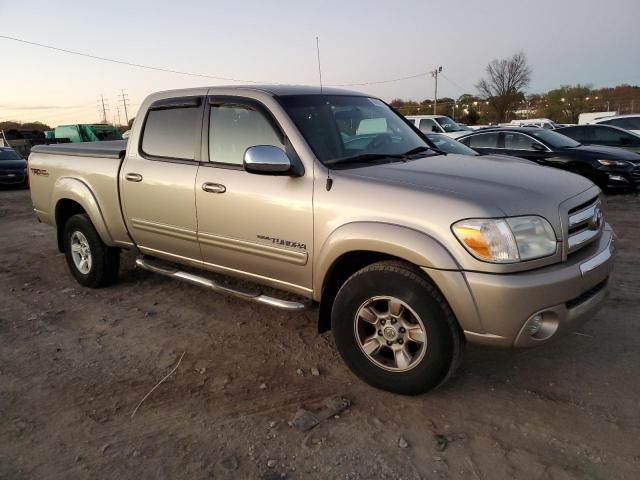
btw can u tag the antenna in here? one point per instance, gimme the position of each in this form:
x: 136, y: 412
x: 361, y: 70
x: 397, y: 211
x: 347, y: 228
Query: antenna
x: 319, y: 65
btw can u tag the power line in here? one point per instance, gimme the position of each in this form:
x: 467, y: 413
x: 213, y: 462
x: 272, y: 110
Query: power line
x: 180, y: 72
x: 377, y: 82
x: 130, y: 64
x: 463, y: 90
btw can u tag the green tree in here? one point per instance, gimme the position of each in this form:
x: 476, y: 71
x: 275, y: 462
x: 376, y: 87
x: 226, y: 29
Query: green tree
x: 566, y: 103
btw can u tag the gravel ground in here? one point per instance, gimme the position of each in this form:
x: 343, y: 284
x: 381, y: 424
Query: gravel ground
x: 75, y: 363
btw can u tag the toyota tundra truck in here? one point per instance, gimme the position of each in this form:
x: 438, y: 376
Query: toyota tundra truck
x: 301, y: 197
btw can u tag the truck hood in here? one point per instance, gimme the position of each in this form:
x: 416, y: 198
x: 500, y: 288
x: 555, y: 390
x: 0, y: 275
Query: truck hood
x: 514, y: 188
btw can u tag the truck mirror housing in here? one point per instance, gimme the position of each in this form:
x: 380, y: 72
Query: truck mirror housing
x: 266, y: 160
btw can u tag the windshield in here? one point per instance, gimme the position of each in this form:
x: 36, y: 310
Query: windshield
x: 630, y: 123
x: 449, y: 145
x: 342, y: 126
x: 9, y: 154
x: 553, y: 139
x: 449, y: 125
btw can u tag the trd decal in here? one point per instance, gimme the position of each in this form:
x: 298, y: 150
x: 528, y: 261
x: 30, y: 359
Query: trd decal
x: 40, y: 172
x: 284, y: 243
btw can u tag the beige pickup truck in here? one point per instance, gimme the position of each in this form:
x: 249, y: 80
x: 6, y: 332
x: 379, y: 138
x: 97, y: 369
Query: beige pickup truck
x: 330, y: 199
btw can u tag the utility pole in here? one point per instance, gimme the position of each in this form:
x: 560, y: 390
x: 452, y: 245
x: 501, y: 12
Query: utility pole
x: 103, y: 108
x: 434, y: 74
x: 125, y: 100
x: 118, y: 115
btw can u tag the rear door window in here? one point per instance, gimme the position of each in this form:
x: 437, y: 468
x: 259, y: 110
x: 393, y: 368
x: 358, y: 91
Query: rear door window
x: 518, y: 141
x: 482, y: 140
x: 172, y: 133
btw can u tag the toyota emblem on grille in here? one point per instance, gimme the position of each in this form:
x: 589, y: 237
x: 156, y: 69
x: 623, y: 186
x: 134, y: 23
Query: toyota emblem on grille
x: 596, y: 221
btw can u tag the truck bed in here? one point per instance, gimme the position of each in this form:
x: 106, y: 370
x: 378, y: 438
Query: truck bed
x: 107, y: 149
x: 86, y: 173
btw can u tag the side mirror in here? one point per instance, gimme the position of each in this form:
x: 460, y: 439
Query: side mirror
x: 538, y: 147
x: 624, y: 141
x: 266, y: 160
x: 435, y: 129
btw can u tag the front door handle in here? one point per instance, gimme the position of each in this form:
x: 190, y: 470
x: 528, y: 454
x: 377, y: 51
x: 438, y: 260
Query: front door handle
x: 133, y: 177
x: 213, y: 187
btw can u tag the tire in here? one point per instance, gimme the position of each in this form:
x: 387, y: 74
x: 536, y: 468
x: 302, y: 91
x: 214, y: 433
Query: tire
x: 412, y: 305
x: 103, y: 263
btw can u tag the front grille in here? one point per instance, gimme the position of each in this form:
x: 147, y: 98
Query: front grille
x: 584, y: 296
x: 585, y: 224
x: 11, y: 176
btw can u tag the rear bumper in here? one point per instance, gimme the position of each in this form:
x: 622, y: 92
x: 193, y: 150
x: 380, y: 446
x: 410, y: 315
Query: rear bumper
x: 501, y: 309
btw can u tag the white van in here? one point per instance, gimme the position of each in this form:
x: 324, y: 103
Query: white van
x: 438, y: 124
x: 545, y: 123
x: 591, y: 117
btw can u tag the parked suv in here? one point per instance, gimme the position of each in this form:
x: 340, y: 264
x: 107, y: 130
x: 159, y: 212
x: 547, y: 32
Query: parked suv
x: 628, y: 122
x: 13, y: 168
x: 605, y: 135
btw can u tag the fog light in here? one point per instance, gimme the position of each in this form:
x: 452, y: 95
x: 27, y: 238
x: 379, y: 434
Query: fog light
x: 617, y: 178
x: 535, y: 325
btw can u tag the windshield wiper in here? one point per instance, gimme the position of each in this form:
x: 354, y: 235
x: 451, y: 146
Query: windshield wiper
x: 421, y: 149
x: 365, y: 157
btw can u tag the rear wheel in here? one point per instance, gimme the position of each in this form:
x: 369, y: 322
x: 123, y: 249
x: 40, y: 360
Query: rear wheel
x: 395, y: 330
x: 91, y: 262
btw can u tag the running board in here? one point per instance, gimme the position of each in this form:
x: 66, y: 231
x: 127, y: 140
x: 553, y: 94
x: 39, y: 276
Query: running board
x: 167, y: 271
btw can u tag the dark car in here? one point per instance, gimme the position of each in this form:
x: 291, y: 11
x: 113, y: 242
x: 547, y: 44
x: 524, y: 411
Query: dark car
x: 449, y: 145
x: 13, y: 168
x: 606, y: 135
x: 608, y: 167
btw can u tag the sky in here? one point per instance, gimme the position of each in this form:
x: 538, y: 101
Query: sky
x: 566, y: 41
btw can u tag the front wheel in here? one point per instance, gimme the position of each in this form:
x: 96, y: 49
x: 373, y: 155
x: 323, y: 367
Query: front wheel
x: 395, y: 330
x: 91, y: 262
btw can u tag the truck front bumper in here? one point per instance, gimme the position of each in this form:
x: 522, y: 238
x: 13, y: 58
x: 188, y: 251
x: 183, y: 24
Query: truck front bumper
x: 529, y: 308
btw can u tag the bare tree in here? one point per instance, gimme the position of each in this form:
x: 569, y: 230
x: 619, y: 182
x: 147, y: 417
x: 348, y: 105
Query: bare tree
x: 506, y: 78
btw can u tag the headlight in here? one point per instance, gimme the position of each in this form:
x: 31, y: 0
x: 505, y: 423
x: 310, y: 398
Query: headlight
x: 507, y: 240
x: 613, y: 163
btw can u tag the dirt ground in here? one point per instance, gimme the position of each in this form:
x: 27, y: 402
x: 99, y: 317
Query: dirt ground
x: 75, y: 362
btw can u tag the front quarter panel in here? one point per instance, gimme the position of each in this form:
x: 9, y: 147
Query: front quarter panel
x: 402, y: 242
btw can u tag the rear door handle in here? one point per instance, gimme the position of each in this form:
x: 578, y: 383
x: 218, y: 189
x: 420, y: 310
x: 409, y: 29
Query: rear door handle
x: 133, y: 177
x: 213, y: 187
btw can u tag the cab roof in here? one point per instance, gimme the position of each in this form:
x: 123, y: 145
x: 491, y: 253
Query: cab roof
x: 285, y: 90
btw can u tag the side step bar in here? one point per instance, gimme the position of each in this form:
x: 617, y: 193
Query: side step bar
x: 155, y: 267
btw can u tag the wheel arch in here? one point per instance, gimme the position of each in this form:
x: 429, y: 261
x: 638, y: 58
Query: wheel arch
x: 71, y: 197
x: 356, y: 245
